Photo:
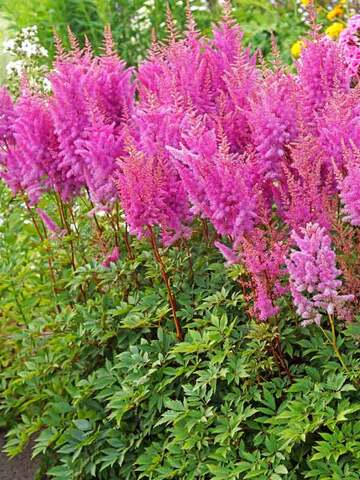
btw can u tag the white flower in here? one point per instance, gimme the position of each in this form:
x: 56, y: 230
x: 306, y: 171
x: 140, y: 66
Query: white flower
x: 43, y: 52
x: 29, y: 32
x: 202, y: 6
x: 47, y: 85
x: 9, y: 45
x: 15, y: 67
x: 29, y: 48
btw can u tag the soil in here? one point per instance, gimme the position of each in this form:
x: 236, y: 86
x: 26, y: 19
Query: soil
x: 19, y: 468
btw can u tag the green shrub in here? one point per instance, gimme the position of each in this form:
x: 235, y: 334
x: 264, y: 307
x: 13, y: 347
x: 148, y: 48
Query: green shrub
x: 109, y: 393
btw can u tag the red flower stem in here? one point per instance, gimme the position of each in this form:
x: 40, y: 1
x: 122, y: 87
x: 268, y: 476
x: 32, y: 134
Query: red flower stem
x: 172, y: 301
x: 124, y: 235
x: 127, y: 243
x: 49, y: 259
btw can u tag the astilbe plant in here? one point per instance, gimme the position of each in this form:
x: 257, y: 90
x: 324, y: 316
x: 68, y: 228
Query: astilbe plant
x: 92, y: 98
x: 264, y: 257
x: 199, y: 131
x: 70, y: 111
x: 306, y: 195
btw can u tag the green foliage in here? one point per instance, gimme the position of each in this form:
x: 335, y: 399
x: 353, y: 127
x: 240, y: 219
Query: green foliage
x: 108, y: 392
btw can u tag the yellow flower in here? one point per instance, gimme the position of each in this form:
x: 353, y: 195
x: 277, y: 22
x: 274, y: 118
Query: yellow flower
x: 296, y: 48
x: 334, y: 30
x: 337, y: 11
x: 305, y: 3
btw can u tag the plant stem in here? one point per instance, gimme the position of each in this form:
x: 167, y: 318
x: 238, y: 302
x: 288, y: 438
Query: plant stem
x: 172, y: 301
x: 334, y: 344
x: 191, y: 268
x: 124, y: 235
x: 65, y: 224
x: 279, y: 357
x: 49, y: 259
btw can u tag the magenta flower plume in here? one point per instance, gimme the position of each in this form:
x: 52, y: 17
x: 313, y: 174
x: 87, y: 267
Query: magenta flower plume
x: 114, y: 89
x: 70, y: 112
x: 103, y: 145
x: 215, y: 181
x: 230, y: 256
x: 339, y: 126
x: 180, y: 71
x: 264, y: 258
x: 313, y: 274
x: 349, y: 187
x: 113, y: 257
x: 241, y: 82
x: 6, y: 115
x: 350, y: 196
x: 32, y: 162
x: 49, y: 223
x: 349, y: 42
x: 152, y: 196
x: 273, y: 122
x: 321, y: 70
x: 92, y: 99
x: 306, y: 196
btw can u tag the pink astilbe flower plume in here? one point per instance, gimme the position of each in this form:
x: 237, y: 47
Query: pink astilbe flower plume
x: 7, y: 116
x: 307, y: 194
x: 349, y: 187
x: 93, y: 97
x: 114, y: 89
x: 113, y: 257
x: 263, y: 252
x: 50, y: 224
x: 339, y: 126
x: 314, y: 281
x: 152, y: 195
x: 32, y: 161
x: 241, y: 81
x: 321, y: 70
x: 215, y: 181
x: 273, y: 122
x: 100, y: 150
x: 70, y: 112
x: 349, y: 42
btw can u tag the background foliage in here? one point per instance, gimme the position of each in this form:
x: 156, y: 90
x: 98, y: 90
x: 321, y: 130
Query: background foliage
x: 132, y: 22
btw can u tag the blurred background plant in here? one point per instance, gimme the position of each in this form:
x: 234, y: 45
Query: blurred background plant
x: 132, y: 22
x: 27, y: 57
